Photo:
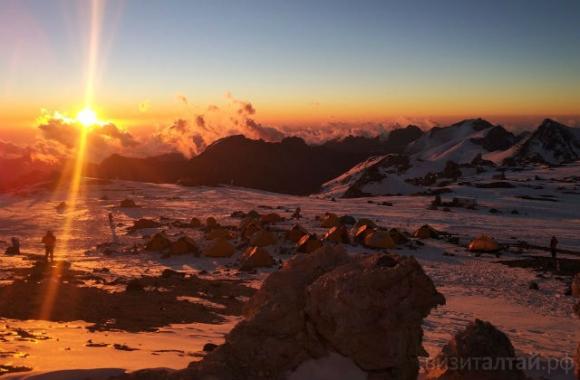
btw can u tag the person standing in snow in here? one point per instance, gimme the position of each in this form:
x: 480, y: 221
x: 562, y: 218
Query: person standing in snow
x: 49, y: 241
x: 112, y: 226
x: 554, y: 251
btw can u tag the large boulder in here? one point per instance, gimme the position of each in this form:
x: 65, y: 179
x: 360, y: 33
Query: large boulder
x: 462, y: 358
x: 295, y: 317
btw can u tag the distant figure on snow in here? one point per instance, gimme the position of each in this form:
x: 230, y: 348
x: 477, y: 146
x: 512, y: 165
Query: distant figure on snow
x: 14, y: 249
x: 49, y: 241
x: 296, y: 214
x: 112, y: 226
x: 554, y: 251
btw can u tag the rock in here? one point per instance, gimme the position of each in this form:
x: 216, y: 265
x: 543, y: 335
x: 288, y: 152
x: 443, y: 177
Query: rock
x: 183, y: 246
x: 308, y: 243
x: 379, y: 239
x: 159, y: 242
x: 135, y: 285
x: 170, y: 273
x: 534, y: 285
x: 220, y: 248
x: 263, y: 238
x: 294, y: 317
x: 295, y: 233
x: 256, y: 257
x: 144, y: 223
x: 480, y: 340
x: 337, y: 234
x: 128, y: 203
x: 209, y: 347
x: 576, y: 286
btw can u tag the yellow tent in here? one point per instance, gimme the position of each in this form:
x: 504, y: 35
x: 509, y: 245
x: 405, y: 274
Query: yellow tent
x: 219, y: 233
x: 271, y: 218
x: 256, y: 257
x: 158, y: 242
x: 329, y: 220
x: 295, y: 233
x: 263, y: 238
x: 337, y: 234
x: 483, y: 243
x: 379, y: 239
x: 309, y: 243
x: 211, y: 222
x: 365, y: 222
x: 183, y: 246
x: 361, y: 232
x: 426, y: 232
x: 398, y: 236
x: 220, y: 248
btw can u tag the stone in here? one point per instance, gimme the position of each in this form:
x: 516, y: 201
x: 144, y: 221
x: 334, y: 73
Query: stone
x: 295, y: 317
x: 479, y: 340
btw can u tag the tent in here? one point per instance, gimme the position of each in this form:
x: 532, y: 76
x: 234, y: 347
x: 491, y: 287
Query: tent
x: 309, y: 243
x: 379, y: 239
x: 220, y: 248
x: 263, y: 238
x: 483, y: 243
x: 361, y: 232
x: 211, y: 222
x: 329, y: 220
x: 295, y: 233
x: 398, y: 236
x: 426, y: 232
x: 184, y: 245
x: 256, y: 257
x: 365, y: 222
x: 219, y: 233
x: 337, y: 234
x: 158, y: 242
x: 271, y: 218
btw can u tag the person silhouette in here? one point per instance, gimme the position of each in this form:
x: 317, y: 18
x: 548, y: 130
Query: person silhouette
x: 554, y: 252
x: 49, y: 241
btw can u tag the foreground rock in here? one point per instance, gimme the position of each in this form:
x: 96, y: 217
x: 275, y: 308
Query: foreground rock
x: 474, y: 354
x: 295, y: 317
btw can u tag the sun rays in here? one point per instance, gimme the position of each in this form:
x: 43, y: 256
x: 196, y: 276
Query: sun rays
x: 86, y: 118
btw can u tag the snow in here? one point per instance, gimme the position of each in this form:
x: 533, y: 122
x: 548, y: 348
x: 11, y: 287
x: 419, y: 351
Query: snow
x: 538, y: 322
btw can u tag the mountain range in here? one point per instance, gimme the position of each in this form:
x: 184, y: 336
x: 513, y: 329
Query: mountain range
x: 404, y: 161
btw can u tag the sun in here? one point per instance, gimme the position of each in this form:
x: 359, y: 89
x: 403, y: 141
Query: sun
x: 87, y: 117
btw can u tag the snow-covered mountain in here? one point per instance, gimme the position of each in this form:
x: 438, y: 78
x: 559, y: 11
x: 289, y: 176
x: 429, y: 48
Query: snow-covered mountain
x: 448, y: 153
x: 552, y: 143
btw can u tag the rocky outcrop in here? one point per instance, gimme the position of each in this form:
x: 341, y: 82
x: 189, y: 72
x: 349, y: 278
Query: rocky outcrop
x: 295, y: 317
x: 473, y: 354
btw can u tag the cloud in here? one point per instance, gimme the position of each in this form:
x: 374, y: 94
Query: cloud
x: 59, y: 137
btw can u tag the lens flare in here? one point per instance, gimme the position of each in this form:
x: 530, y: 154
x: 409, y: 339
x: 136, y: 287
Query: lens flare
x: 87, y: 117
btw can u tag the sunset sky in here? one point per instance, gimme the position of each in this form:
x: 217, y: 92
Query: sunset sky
x: 298, y: 62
